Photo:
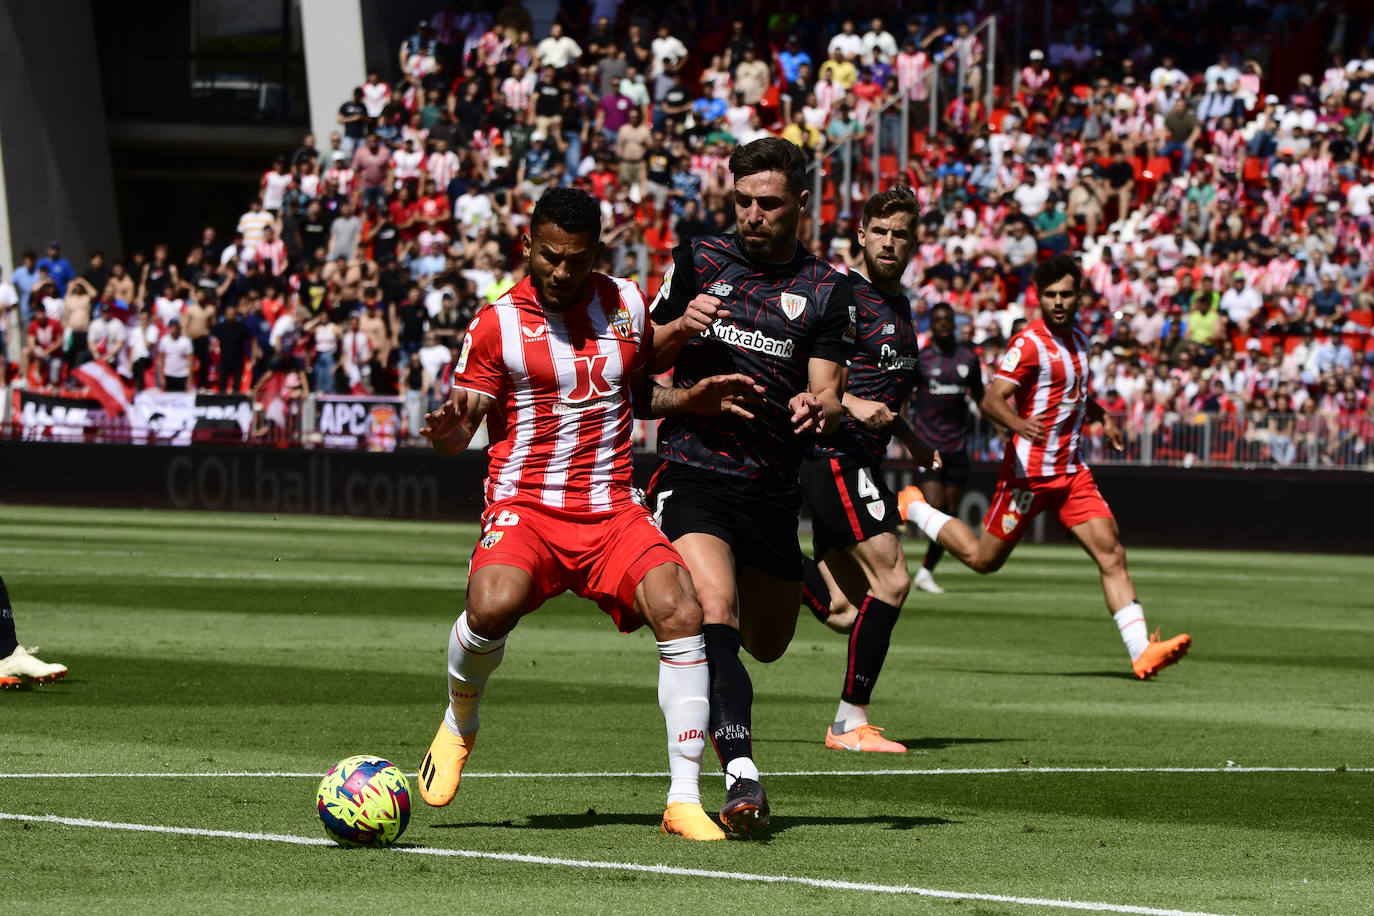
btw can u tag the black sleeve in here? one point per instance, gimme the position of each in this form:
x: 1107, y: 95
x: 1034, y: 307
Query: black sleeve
x: 678, y: 288
x: 975, y: 378
x: 837, y: 335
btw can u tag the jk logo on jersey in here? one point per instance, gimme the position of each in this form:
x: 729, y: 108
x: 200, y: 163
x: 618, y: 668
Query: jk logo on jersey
x: 793, y: 305
x: 589, y: 379
x: 719, y: 290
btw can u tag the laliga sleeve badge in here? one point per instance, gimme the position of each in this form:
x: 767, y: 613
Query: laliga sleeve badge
x: 463, y: 354
x: 1012, y: 359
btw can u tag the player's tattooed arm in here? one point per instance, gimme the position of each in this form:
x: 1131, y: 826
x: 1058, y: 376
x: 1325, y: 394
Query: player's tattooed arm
x: 1096, y: 413
x: 450, y: 428
x: 670, y: 338
x: 712, y: 396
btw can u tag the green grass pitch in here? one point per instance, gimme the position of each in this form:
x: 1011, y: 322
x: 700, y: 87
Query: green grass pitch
x: 203, y: 644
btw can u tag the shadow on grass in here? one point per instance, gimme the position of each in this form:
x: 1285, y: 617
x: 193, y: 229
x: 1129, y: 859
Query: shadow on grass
x: 922, y: 744
x: 1006, y: 672
x: 613, y: 818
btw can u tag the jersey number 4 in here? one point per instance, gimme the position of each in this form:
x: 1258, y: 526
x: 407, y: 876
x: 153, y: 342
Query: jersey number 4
x: 867, y: 488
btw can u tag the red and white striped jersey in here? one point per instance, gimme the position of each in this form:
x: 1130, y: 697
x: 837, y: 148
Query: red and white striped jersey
x: 342, y: 177
x: 1230, y: 147
x: 561, y: 423
x: 1052, y: 383
x: 911, y: 74
x: 1317, y: 169
x: 442, y: 167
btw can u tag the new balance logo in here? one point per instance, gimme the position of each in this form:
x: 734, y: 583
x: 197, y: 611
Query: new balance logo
x: 889, y: 328
x: 719, y: 290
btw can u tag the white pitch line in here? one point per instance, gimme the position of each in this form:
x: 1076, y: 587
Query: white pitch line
x: 592, y: 864
x: 967, y: 771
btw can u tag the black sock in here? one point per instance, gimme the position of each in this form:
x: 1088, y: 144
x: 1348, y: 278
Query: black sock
x: 868, y: 643
x: 732, y: 694
x: 933, y: 554
x: 815, y: 593
x: 8, y: 641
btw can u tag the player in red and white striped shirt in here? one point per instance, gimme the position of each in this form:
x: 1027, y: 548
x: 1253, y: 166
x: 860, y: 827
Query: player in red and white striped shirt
x: 1229, y: 145
x: 550, y: 366
x: 1045, y: 371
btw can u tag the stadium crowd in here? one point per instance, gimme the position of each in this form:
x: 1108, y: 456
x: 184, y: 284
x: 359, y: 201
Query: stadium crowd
x: 1226, y: 230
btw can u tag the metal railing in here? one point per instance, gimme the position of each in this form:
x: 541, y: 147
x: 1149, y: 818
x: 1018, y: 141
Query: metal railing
x: 872, y: 128
x: 1240, y: 440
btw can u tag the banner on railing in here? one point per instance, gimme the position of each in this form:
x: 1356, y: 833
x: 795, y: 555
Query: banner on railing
x: 154, y: 417
x: 371, y: 423
x: 43, y: 416
x: 176, y: 418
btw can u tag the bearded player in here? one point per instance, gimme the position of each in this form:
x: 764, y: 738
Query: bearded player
x: 949, y: 374
x: 550, y: 366
x: 726, y: 493
x: 1045, y: 371
x: 858, y: 579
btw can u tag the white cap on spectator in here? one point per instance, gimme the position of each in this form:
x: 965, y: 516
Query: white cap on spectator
x: 1037, y: 54
x: 1271, y: 99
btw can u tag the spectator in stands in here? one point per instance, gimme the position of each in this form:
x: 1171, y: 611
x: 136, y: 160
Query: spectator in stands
x: 175, y: 359
x: 58, y: 268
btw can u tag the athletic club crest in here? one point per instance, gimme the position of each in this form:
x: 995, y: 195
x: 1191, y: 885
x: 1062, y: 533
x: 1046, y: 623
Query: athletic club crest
x: 621, y: 324
x: 962, y: 370
x: 491, y: 540
x: 877, y: 509
x: 793, y: 305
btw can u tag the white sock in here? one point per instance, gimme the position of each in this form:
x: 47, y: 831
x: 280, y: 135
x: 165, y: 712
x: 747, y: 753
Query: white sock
x: 741, y: 768
x: 1130, y: 620
x: 683, y: 687
x: 471, y: 660
x: 928, y: 518
x: 849, y: 717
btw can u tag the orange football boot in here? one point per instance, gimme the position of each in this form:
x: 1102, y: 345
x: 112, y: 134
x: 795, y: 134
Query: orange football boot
x: 863, y: 738
x: 443, y: 766
x: 1160, y: 655
x: 906, y: 497
x: 691, y: 821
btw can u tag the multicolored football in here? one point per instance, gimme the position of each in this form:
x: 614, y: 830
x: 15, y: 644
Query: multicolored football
x: 364, y: 801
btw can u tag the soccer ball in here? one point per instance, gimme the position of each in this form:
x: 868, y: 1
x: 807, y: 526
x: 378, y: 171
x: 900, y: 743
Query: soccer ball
x: 364, y: 801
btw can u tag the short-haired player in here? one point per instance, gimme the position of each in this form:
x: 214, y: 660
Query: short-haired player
x: 550, y: 366
x: 858, y: 579
x: 1045, y: 375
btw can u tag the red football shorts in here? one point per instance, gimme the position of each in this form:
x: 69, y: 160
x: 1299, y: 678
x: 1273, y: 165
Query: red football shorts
x: 1074, y: 498
x: 601, y: 556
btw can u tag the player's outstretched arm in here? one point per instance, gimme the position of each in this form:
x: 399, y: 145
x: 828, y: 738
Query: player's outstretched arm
x: 1096, y: 413
x: 922, y: 452
x: 997, y: 409
x: 670, y: 338
x: 819, y: 408
x: 450, y: 428
x: 712, y: 396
